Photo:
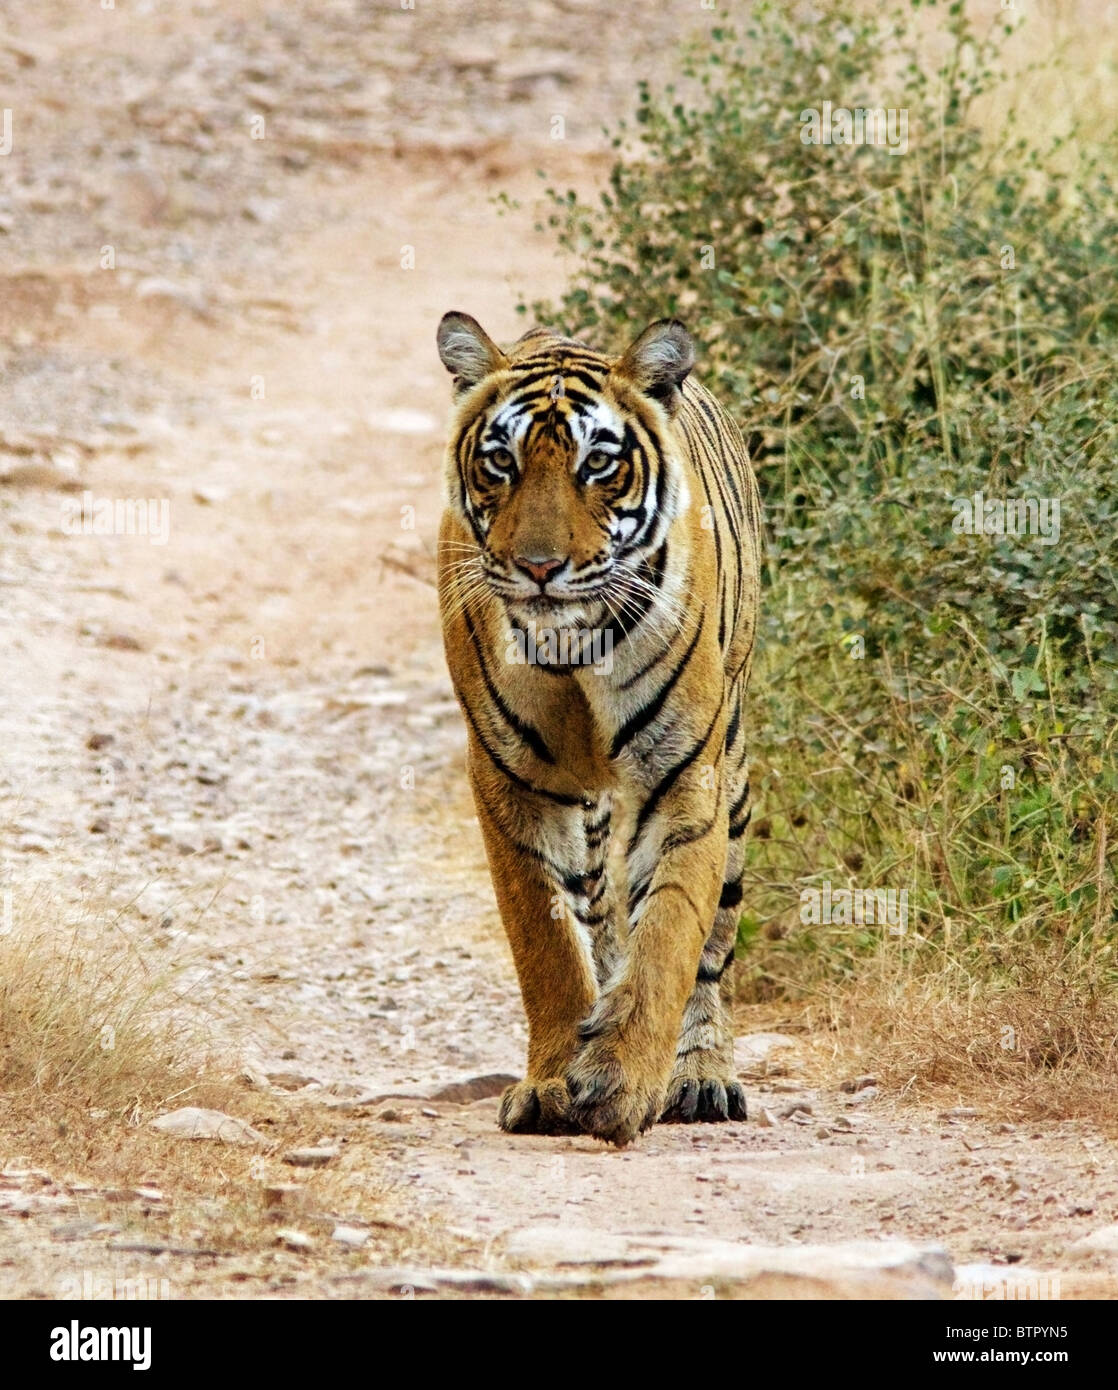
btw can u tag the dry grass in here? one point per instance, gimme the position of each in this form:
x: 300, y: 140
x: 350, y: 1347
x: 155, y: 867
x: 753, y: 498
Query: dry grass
x: 96, y: 1039
x: 88, y: 1014
x: 1042, y: 1047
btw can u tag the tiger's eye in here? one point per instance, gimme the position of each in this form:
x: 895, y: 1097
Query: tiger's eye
x: 501, y: 459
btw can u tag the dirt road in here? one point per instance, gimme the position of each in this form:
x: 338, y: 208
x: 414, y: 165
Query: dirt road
x: 227, y: 240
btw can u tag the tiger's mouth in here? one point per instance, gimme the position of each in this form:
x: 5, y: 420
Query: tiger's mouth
x: 552, y: 609
x: 546, y: 599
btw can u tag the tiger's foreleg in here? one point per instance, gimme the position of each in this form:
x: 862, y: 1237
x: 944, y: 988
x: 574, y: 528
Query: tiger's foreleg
x: 619, y: 1079
x: 536, y: 851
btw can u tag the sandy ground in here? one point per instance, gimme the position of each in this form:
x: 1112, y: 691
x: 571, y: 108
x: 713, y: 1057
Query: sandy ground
x: 274, y: 796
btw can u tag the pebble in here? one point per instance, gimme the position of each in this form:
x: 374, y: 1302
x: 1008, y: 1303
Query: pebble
x: 1105, y: 1239
x: 294, y: 1240
x: 350, y: 1235
x: 311, y: 1158
x: 863, y: 1097
x: 752, y: 1050
x: 190, y: 1122
x: 474, y: 1088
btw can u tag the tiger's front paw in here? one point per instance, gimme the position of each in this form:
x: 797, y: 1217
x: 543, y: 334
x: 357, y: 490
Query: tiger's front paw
x: 616, y: 1085
x: 537, y: 1107
x: 609, y: 1103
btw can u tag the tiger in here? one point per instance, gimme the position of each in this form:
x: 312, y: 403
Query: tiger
x: 611, y: 498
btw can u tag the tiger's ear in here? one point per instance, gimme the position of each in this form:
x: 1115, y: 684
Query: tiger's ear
x: 659, y: 360
x: 467, y: 351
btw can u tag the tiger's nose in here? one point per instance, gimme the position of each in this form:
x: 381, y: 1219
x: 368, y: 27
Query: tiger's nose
x: 541, y: 570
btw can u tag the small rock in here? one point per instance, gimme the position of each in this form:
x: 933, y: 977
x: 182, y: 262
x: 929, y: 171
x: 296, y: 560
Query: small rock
x: 794, y: 1107
x: 294, y: 1240
x: 766, y: 1119
x: 524, y: 71
x: 157, y: 287
x: 1105, y: 1239
x: 311, y: 1158
x: 291, y: 1080
x: 210, y: 495
x: 99, y: 826
x: 959, y: 1112
x: 754, y: 1049
x: 350, y: 1235
x: 121, y: 642
x: 82, y: 1230
x: 474, y: 1088
x: 858, y: 1083
x: 99, y: 741
x: 863, y: 1097
x: 38, y: 475
x: 191, y: 1122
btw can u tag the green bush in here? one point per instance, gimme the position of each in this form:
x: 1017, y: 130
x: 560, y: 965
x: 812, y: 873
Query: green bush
x: 896, y: 331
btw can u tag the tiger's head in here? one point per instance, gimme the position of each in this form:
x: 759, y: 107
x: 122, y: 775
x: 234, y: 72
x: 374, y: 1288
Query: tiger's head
x: 562, y: 464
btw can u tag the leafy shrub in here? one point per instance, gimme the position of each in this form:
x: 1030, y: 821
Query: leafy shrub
x: 898, y: 331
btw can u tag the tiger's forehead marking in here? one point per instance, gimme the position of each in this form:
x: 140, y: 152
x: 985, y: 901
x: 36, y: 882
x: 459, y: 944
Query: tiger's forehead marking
x: 557, y: 391
x: 581, y: 422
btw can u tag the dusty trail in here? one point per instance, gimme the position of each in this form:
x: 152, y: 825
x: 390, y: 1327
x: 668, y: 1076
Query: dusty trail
x: 281, y: 802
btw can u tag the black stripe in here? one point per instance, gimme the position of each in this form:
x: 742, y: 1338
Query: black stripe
x: 680, y: 838
x: 676, y: 888
x: 647, y: 713
x: 731, y: 894
x: 707, y: 976
x: 503, y: 767
x: 636, y: 895
x: 669, y: 780
x: 648, y: 666
x: 530, y: 735
x: 591, y: 919
x: 735, y: 723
